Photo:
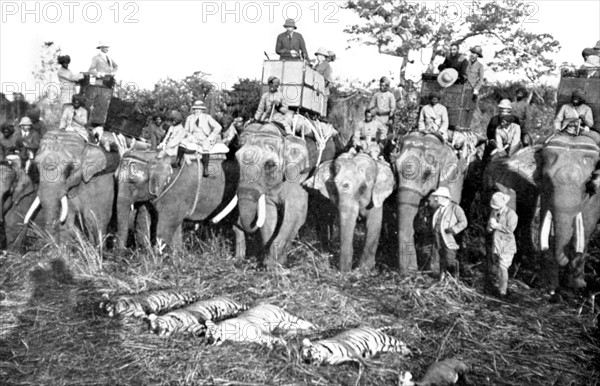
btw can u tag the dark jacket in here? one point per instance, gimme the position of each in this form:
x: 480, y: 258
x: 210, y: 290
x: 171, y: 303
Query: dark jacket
x: 459, y: 63
x: 495, y: 122
x: 284, y: 45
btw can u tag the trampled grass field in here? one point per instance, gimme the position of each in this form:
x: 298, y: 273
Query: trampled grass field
x: 53, y: 333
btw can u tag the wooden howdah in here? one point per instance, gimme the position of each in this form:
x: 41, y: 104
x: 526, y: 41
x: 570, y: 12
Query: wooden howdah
x: 302, y: 87
x: 458, y: 100
x: 590, y: 87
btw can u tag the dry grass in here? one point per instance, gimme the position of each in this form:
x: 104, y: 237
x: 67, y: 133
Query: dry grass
x: 51, y: 331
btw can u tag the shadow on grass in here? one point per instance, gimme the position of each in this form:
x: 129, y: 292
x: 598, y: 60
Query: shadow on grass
x: 58, y: 332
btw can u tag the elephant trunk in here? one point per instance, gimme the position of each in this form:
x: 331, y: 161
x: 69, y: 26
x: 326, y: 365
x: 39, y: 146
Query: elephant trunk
x: 123, y: 213
x: 54, y: 204
x: 566, y: 227
x: 348, y: 216
x: 408, y: 207
x: 252, y: 205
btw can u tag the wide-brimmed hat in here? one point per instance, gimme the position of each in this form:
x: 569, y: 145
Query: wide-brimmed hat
x: 290, y: 23
x: 477, y: 51
x: 447, y: 77
x: 102, y: 44
x: 499, y: 200
x: 25, y: 121
x: 322, y: 51
x: 504, y: 104
x: 588, y: 51
x: 442, y: 191
x: 198, y: 105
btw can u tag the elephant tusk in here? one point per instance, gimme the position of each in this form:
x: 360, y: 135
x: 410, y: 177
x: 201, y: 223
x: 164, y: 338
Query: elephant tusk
x: 579, y: 234
x: 226, y: 211
x: 32, y: 208
x: 64, y: 209
x: 545, y: 231
x: 262, y: 211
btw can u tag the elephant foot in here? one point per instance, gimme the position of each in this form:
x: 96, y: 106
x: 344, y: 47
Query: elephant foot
x: 240, y: 251
x: 277, y: 255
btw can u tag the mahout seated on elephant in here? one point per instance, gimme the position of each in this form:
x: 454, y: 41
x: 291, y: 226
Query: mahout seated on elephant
x: 576, y: 110
x: 562, y: 172
x: 272, y: 106
x: 433, y: 117
x: 508, y: 137
x: 370, y: 136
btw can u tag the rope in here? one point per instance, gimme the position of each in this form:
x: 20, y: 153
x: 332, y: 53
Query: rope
x: 171, y: 183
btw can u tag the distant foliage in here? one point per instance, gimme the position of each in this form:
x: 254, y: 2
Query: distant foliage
x: 170, y: 94
x: 244, y: 98
x: 398, y: 26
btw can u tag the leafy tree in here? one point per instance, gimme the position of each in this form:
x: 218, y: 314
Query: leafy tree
x: 170, y: 94
x: 397, y: 26
x: 244, y: 98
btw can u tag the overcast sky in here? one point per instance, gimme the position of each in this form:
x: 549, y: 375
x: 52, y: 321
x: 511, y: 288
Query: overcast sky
x: 152, y: 40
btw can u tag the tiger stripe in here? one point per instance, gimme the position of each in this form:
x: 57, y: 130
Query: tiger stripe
x: 192, y: 318
x: 142, y: 304
x: 256, y: 325
x: 351, y: 346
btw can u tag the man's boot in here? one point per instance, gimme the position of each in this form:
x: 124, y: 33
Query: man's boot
x: 205, y: 160
x: 177, y: 162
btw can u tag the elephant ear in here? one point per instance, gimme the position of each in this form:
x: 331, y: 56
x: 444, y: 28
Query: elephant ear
x: 94, y: 161
x: 323, y: 180
x: 23, y: 187
x: 527, y: 163
x: 384, y: 184
x: 296, y: 157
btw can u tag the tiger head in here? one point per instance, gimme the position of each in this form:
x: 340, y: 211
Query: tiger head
x: 312, y: 353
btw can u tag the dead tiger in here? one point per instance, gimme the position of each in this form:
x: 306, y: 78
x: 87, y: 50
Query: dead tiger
x: 256, y: 325
x: 142, y: 304
x: 192, y: 318
x: 351, y: 346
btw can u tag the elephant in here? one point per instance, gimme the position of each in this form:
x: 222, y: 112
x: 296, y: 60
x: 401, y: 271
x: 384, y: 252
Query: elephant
x: 563, y: 171
x: 76, y: 180
x: 174, y: 195
x: 17, y: 191
x: 423, y: 164
x: 502, y: 175
x: 270, y: 196
x: 358, y: 185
